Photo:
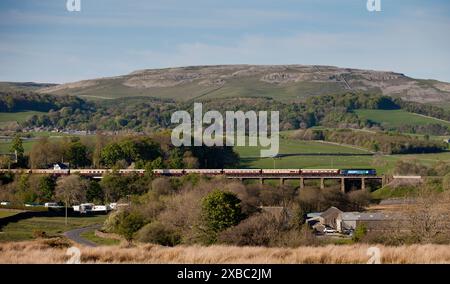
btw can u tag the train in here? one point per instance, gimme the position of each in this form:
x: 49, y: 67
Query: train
x: 268, y: 172
x: 210, y: 172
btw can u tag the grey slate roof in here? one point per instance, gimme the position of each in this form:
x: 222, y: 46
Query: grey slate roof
x: 376, y: 216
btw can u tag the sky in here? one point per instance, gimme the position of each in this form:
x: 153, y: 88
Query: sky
x: 41, y: 41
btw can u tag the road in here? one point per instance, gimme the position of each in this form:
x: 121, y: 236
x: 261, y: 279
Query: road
x: 74, y: 235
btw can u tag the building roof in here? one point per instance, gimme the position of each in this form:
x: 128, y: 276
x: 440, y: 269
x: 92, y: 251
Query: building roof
x: 313, y: 214
x: 61, y: 165
x: 357, y: 216
x: 332, y: 211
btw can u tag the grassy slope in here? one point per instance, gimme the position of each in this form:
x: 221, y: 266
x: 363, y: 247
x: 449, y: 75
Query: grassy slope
x: 291, y: 146
x: 23, y: 230
x: 390, y: 192
x: 90, y: 235
x: 236, y: 87
x: 395, y: 118
x: 28, y: 144
x: 6, y: 145
x: 17, y: 116
x: 7, y: 213
x: 17, y: 86
x: 250, y: 158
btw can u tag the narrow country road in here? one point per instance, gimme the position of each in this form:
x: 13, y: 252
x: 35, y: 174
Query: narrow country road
x: 74, y: 235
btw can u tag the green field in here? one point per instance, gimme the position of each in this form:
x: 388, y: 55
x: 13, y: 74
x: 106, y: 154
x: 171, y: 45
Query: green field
x: 292, y: 146
x: 7, y: 213
x: 23, y: 230
x: 17, y: 116
x: 396, y: 118
x: 28, y: 144
x: 90, y: 235
x: 6, y: 145
x: 250, y: 157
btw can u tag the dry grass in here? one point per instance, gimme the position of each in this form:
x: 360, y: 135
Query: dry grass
x: 53, y: 251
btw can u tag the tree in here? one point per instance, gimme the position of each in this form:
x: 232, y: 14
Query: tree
x: 25, y: 193
x: 359, y: 199
x: 149, y: 166
x: 44, y: 153
x: 111, y: 154
x: 175, y: 159
x: 94, y: 192
x: 17, y: 147
x: 71, y: 189
x: 46, y: 187
x: 156, y: 163
x: 76, y: 154
x: 428, y: 216
x: 116, y: 186
x: 100, y: 141
x: 128, y: 224
x: 220, y: 210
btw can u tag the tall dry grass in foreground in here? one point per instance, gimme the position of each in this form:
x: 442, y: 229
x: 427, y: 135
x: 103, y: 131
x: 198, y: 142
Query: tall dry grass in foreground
x: 54, y: 251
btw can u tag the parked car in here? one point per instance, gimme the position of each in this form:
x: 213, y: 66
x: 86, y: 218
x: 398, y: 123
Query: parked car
x: 114, y: 205
x: 5, y: 203
x: 91, y: 208
x: 83, y: 208
x: 32, y: 204
x: 329, y: 231
x: 348, y: 232
x: 52, y: 205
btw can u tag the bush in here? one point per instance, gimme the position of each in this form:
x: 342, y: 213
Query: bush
x: 359, y: 199
x: 257, y: 230
x: 388, y: 238
x: 295, y: 237
x: 264, y: 229
x: 360, y: 233
x: 111, y: 223
x: 125, y: 223
x: 220, y: 210
x: 161, y: 186
x: 410, y: 167
x: 39, y: 234
x: 158, y: 233
x: 129, y: 224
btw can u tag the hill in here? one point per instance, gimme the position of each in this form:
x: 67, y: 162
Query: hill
x: 23, y: 86
x: 282, y: 82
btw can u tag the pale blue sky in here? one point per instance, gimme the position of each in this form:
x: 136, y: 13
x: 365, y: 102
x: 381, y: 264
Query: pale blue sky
x: 41, y: 41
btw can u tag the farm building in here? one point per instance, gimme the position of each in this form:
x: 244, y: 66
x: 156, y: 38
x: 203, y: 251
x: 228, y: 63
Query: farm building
x: 348, y: 221
x: 372, y: 221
